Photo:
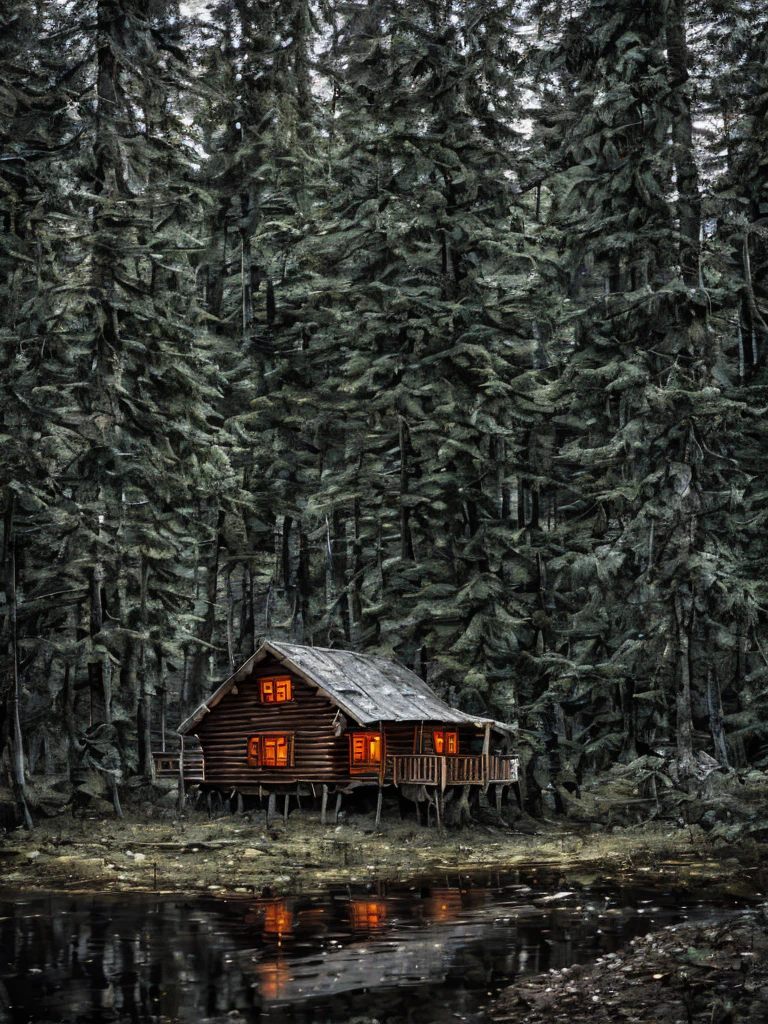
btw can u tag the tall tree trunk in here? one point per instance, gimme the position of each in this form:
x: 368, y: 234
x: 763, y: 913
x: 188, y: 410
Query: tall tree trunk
x: 144, y: 703
x: 689, y: 202
x: 199, y: 654
x: 11, y: 624
x: 406, y: 541
x: 339, y: 569
x: 684, y: 722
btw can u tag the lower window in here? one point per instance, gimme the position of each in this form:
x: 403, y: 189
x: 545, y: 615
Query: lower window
x: 271, y: 750
x: 445, y: 741
x: 366, y: 749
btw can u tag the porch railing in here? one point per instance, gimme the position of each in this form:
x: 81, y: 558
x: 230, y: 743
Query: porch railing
x: 167, y: 765
x: 461, y: 769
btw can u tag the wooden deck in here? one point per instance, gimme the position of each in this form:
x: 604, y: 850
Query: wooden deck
x: 412, y: 769
x: 167, y: 765
x: 454, y: 770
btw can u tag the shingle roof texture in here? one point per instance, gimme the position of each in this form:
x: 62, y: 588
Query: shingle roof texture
x: 367, y: 687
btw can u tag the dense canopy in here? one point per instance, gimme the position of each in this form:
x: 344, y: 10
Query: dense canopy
x: 425, y: 329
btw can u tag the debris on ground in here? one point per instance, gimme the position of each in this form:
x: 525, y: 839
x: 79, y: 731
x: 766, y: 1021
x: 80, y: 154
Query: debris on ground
x: 684, y: 974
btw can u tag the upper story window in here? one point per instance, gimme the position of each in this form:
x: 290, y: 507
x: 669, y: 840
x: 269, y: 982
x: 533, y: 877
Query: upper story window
x: 366, y: 749
x: 445, y: 741
x: 275, y: 689
x: 271, y: 750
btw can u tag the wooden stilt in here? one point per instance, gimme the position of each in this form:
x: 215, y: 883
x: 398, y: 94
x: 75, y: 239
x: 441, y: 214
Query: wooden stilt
x: 378, y: 806
x: 324, y: 805
x: 271, y: 807
x: 182, y: 794
x: 338, y: 808
x: 239, y: 802
x: 418, y: 812
x: 285, y: 808
x: 438, y: 815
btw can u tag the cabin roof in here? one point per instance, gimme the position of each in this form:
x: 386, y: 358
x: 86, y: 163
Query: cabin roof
x: 366, y: 687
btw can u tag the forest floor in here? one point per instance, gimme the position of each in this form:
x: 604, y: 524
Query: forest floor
x: 715, y: 829
x: 241, y: 854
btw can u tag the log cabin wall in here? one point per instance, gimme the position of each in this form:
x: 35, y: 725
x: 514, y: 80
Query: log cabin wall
x: 470, y: 738
x: 318, y: 754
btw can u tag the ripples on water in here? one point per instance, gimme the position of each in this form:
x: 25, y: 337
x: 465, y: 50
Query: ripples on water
x: 430, y: 951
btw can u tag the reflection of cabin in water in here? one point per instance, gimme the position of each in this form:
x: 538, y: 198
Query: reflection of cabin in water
x: 297, y: 720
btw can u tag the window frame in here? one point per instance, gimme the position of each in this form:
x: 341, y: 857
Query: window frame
x: 255, y: 759
x: 366, y: 736
x: 445, y: 738
x: 274, y: 681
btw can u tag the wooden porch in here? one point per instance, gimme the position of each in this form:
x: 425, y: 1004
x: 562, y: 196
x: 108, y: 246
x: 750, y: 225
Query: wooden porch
x: 453, y: 770
x: 167, y: 765
x: 410, y: 769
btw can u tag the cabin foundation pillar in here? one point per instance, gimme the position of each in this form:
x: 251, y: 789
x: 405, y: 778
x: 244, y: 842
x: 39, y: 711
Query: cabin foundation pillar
x: 182, y: 794
x: 379, y: 802
x: 271, y: 807
x: 286, y: 806
x: 324, y: 805
x: 338, y: 808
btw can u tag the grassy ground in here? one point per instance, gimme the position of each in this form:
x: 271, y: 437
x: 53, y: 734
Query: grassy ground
x: 240, y: 854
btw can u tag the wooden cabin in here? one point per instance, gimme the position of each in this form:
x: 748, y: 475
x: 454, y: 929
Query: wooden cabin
x: 329, y: 720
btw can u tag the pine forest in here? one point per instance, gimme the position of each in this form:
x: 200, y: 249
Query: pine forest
x: 435, y: 329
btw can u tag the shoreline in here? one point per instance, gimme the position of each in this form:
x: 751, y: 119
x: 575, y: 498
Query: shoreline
x: 239, y: 856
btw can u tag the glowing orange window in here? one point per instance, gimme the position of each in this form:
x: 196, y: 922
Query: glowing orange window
x: 275, y: 689
x: 273, y: 751
x: 366, y: 748
x: 445, y: 742
x: 367, y: 917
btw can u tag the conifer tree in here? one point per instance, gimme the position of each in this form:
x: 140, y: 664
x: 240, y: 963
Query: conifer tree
x: 654, y: 457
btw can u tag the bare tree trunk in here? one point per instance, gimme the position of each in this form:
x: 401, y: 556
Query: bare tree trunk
x: 716, y: 718
x: 17, y: 743
x: 144, y: 704
x: 684, y: 621
x: 689, y: 202
x: 406, y: 541
x: 339, y: 569
x: 200, y: 653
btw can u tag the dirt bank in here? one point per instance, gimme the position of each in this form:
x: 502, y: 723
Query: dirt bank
x: 240, y: 854
x: 699, y: 974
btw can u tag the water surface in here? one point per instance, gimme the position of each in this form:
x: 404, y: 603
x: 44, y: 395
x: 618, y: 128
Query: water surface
x: 432, y: 951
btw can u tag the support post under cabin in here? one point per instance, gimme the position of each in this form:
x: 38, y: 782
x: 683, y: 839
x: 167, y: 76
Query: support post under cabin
x: 324, y: 805
x: 182, y: 795
x: 486, y: 756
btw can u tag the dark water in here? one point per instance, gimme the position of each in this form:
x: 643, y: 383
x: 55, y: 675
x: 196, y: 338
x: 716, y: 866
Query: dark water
x: 428, y: 951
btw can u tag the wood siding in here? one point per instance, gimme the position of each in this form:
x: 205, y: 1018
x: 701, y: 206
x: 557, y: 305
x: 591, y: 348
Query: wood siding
x: 312, y: 720
x: 318, y: 755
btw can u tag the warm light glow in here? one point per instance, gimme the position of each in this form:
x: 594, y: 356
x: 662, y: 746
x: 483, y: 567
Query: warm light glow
x: 273, y: 979
x: 275, y: 689
x: 445, y: 742
x: 442, y: 905
x: 366, y: 748
x: 278, y: 919
x: 367, y: 917
x: 273, y: 751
